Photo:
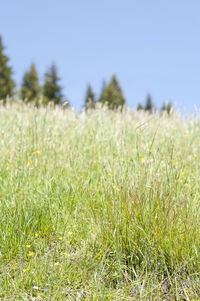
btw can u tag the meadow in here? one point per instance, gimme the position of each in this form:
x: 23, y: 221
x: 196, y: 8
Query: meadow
x: 99, y: 205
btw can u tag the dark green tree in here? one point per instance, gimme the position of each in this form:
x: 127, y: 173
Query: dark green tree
x: 112, y: 94
x: 7, y: 84
x: 149, y: 104
x: 30, y: 88
x: 139, y: 107
x: 52, y: 91
x: 167, y: 107
x: 90, y: 98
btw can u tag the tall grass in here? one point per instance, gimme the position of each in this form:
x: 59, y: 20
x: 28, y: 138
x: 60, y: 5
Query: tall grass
x: 99, y: 205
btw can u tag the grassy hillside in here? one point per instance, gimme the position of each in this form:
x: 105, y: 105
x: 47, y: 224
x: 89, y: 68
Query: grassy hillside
x: 98, y: 206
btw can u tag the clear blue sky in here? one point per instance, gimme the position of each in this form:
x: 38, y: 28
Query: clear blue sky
x: 152, y: 45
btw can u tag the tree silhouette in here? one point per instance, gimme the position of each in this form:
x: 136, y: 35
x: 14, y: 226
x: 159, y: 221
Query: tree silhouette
x: 149, y: 104
x: 90, y: 98
x: 30, y: 88
x: 167, y: 107
x: 139, y: 107
x: 52, y: 91
x: 112, y: 94
x: 7, y: 84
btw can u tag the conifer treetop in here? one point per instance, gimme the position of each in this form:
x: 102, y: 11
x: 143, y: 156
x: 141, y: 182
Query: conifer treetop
x: 30, y: 88
x: 7, y: 84
x: 52, y: 91
x: 112, y: 94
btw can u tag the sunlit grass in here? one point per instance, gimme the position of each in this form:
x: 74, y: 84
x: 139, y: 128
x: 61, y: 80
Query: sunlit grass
x: 98, y: 205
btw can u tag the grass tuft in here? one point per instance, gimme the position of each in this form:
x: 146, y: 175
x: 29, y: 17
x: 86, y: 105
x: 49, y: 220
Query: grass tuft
x: 100, y: 205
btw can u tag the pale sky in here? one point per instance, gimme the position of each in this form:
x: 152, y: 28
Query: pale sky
x: 152, y: 46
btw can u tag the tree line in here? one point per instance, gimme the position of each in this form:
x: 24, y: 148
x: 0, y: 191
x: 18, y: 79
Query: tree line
x: 51, y: 91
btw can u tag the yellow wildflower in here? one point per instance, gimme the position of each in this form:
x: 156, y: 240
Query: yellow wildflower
x: 67, y: 242
x: 182, y: 173
x: 30, y: 254
x: 29, y: 161
x: 69, y: 233
x: 117, y: 189
x: 143, y: 160
x: 56, y: 263
x: 37, y: 151
x: 36, y: 234
x: 24, y: 270
x: 60, y: 238
x: 28, y: 246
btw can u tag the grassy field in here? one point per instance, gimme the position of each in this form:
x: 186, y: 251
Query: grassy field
x: 99, y: 205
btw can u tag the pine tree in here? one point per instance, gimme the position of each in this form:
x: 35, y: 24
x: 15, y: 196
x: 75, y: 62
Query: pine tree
x: 7, y: 84
x: 52, y: 91
x: 149, y: 104
x: 112, y: 94
x: 167, y: 107
x: 140, y: 107
x: 89, y: 99
x: 30, y: 88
